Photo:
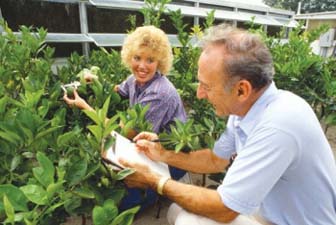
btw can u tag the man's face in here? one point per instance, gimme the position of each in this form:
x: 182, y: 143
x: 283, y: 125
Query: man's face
x: 212, y: 82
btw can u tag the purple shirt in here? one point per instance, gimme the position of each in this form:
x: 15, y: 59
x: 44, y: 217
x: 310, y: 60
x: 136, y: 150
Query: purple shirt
x: 160, y: 93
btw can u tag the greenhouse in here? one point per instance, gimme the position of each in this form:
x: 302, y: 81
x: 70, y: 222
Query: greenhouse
x: 165, y: 112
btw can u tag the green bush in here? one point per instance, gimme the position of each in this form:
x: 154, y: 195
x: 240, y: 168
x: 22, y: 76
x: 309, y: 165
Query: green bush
x: 50, y: 166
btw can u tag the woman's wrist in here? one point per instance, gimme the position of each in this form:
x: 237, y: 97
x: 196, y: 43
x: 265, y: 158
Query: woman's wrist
x: 84, y: 106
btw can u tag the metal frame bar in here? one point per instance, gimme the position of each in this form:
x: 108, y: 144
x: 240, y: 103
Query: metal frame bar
x: 273, y: 17
x: 84, y: 26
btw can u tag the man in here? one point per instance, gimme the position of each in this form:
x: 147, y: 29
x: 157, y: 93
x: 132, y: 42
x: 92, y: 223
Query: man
x: 284, y: 171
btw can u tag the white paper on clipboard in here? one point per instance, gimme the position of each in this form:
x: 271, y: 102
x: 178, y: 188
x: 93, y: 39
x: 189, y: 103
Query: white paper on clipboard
x: 124, y: 148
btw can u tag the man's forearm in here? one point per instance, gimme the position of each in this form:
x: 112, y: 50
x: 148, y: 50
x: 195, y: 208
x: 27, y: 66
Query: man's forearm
x: 202, y: 161
x: 199, y: 200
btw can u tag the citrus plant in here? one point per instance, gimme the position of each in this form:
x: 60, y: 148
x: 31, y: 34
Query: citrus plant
x: 51, y: 154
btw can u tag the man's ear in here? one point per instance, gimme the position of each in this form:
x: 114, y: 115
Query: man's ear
x: 243, y: 89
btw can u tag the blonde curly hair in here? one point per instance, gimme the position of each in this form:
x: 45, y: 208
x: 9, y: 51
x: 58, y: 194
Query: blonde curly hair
x: 153, y: 39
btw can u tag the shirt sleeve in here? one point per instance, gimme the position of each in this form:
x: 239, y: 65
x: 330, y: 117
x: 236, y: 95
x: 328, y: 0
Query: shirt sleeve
x: 225, y: 146
x: 161, y: 112
x: 256, y: 169
x: 124, y: 87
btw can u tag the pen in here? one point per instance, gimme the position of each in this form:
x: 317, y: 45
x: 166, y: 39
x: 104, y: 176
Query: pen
x: 160, y: 140
x: 107, y: 161
x: 156, y: 140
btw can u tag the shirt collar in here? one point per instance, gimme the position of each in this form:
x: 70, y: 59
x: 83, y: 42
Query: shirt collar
x: 140, y: 89
x: 247, y: 123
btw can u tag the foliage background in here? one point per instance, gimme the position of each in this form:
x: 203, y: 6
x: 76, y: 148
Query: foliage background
x: 50, y: 164
x: 307, y: 6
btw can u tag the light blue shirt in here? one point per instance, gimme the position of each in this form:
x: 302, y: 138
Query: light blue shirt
x: 284, y: 166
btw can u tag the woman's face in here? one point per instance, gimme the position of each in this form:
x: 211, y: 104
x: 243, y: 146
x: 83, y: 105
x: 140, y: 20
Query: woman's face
x: 143, y: 65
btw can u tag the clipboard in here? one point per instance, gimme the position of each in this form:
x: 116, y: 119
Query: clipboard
x: 124, y: 148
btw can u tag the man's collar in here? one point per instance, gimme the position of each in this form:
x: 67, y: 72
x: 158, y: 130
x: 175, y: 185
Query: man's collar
x: 247, y: 122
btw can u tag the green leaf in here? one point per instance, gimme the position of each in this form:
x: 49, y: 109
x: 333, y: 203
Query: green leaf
x: 46, y: 132
x: 132, y: 113
x: 111, y: 125
x: 18, y: 217
x: 109, y: 129
x: 93, y: 116
x: 111, y: 208
x: 35, y: 194
x: 72, y: 202
x: 116, y: 194
x: 105, y: 214
x: 126, y: 217
x: 179, y: 147
x: 15, y: 162
x: 122, y: 117
x: 115, y: 98
x: 54, y: 188
x: 105, y: 109
x: 43, y: 109
x: 91, y: 170
x: 84, y: 192
x: 143, y: 111
x: 28, y: 222
x: 77, y: 171
x: 109, y: 141
x: 331, y: 119
x: 9, y: 209
x: 46, y: 172
x: 124, y: 173
x: 97, y: 131
x: 10, y: 136
x: 15, y: 196
x: 179, y: 125
x: 127, y: 127
x: 97, y: 89
x: 100, y: 216
x: 27, y: 132
x: 3, y: 103
x: 67, y: 138
x: 53, y: 207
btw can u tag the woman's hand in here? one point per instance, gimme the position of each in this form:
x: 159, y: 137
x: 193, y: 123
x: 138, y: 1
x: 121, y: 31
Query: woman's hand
x: 77, y: 101
x: 152, y: 150
x: 116, y: 88
x: 89, y: 77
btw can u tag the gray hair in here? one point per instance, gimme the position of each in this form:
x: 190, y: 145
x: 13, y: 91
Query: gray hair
x: 245, y: 54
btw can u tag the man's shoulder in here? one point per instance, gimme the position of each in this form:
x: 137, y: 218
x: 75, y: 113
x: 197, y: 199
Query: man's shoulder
x: 288, y: 112
x: 289, y: 104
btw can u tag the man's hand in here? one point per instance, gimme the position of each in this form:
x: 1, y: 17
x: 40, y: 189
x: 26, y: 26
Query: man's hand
x: 143, y: 176
x: 152, y: 150
x: 77, y: 101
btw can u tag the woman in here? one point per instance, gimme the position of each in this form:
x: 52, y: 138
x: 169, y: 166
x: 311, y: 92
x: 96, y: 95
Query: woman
x: 147, y: 52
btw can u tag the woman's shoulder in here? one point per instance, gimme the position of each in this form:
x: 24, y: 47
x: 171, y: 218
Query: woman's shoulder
x: 130, y: 78
x: 161, y: 87
x: 164, y: 84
